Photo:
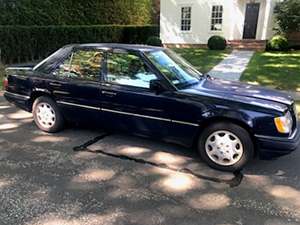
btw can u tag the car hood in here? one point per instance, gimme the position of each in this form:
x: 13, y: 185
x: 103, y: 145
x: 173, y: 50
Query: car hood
x: 242, y: 92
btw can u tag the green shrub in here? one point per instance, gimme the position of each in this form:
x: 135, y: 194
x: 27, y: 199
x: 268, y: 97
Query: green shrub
x: 217, y: 43
x: 22, y: 43
x: 278, y: 43
x: 154, y: 41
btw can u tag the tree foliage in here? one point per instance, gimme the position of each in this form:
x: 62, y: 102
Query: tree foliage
x: 79, y: 12
x: 288, y: 16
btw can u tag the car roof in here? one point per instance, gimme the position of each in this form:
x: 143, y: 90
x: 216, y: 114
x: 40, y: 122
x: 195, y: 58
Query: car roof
x: 143, y: 48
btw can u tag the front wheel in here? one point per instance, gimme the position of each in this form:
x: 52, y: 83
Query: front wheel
x: 47, y: 115
x: 226, y: 146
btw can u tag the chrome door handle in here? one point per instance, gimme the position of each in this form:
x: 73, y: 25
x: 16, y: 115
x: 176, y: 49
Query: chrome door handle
x: 109, y: 93
x: 55, y: 84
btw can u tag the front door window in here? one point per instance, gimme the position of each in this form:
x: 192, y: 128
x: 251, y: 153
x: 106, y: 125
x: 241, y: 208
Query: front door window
x: 128, y: 69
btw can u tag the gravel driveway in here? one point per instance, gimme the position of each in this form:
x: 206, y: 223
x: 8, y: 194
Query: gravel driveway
x: 118, y: 179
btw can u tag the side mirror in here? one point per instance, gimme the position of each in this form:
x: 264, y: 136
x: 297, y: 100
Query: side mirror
x: 157, y: 86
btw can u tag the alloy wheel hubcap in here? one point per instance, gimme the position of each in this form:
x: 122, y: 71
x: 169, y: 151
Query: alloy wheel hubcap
x: 224, y: 148
x: 45, y: 115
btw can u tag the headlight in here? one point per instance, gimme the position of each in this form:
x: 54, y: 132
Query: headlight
x: 284, y: 123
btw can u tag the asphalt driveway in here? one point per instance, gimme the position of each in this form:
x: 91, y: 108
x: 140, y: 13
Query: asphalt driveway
x: 118, y: 179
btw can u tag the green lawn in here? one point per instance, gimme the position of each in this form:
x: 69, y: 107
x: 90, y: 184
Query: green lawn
x: 203, y: 59
x: 280, y: 70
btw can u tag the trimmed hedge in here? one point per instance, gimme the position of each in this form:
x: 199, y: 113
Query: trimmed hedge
x: 22, y: 43
x: 79, y: 12
x: 154, y: 41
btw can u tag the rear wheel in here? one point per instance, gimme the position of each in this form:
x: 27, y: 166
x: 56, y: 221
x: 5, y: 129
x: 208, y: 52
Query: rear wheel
x: 47, y: 115
x: 226, y: 146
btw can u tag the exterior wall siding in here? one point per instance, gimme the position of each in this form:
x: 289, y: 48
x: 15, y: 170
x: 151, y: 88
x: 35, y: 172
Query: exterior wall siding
x: 233, y: 20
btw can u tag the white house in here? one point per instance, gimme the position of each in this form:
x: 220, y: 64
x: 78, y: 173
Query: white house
x: 193, y: 22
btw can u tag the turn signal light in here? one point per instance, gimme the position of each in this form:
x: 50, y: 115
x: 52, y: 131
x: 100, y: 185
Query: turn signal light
x: 284, y: 124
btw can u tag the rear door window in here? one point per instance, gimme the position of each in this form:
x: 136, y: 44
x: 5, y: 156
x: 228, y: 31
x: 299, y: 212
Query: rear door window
x: 82, y: 65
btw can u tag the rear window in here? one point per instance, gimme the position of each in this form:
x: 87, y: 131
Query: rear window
x: 48, y: 64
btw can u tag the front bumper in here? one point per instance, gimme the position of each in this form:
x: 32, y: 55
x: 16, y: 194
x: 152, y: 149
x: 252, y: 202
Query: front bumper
x: 272, y: 147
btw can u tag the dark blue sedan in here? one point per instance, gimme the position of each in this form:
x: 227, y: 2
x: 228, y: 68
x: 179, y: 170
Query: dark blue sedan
x: 153, y: 92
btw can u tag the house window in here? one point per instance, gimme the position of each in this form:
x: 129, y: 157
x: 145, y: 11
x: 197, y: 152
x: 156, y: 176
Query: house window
x: 217, y: 18
x: 186, y: 17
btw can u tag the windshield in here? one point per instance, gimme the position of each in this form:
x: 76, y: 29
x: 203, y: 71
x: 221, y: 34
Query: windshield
x: 179, y: 72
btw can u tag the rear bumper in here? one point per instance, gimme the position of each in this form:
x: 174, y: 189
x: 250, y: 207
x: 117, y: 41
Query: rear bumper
x: 22, y: 101
x: 272, y: 147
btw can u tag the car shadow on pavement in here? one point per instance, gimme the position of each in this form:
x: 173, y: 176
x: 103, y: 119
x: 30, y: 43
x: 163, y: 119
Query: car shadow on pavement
x: 157, y: 154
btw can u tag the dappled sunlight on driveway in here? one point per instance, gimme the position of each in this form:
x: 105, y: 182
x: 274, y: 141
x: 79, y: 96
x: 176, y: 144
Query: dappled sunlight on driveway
x: 49, y: 138
x: 8, y: 126
x: 167, y: 158
x: 133, y: 151
x: 286, y: 195
x: 278, y: 186
x: 210, y: 201
x: 177, y: 183
x: 4, y: 107
x: 19, y: 115
x: 5, y: 182
x: 93, y: 175
x: 88, y: 219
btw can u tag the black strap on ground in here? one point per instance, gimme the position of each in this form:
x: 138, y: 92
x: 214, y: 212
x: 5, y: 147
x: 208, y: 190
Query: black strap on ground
x: 84, y: 146
x: 234, y: 182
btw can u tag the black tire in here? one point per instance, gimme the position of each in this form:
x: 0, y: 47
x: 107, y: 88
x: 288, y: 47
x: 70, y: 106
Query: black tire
x: 58, y: 123
x: 241, y: 133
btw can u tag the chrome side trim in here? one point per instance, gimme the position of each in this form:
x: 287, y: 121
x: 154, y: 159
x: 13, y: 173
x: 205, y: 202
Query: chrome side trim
x: 17, y: 95
x: 19, y: 68
x: 151, y: 117
x: 61, y: 92
x: 137, y: 115
x: 129, y: 114
x: 78, y: 105
x: 185, y: 123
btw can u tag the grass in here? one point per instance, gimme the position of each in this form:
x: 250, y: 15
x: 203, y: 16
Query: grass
x: 280, y: 70
x: 203, y: 59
